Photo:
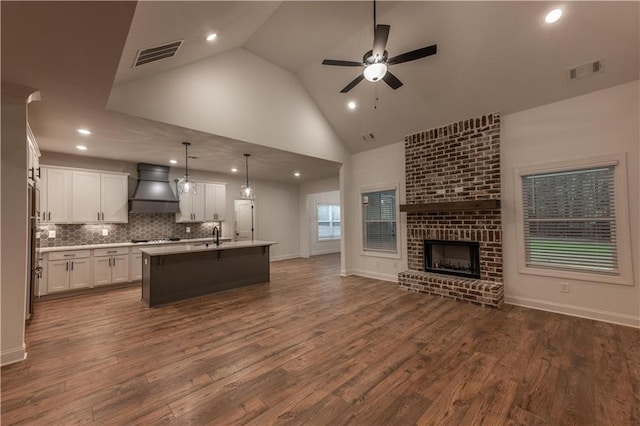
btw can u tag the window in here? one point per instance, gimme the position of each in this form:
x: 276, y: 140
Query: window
x: 572, y: 220
x: 328, y: 221
x: 379, y: 221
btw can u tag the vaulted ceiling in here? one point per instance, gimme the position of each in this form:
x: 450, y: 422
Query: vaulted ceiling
x: 492, y: 56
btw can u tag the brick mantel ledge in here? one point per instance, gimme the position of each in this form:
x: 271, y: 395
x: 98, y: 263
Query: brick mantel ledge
x: 479, y: 292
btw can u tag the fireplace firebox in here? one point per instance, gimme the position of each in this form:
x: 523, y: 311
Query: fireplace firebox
x: 459, y: 258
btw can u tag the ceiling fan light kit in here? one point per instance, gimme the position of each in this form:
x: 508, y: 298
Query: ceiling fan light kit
x: 376, y: 61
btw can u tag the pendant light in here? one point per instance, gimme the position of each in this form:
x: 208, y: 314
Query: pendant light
x: 247, y: 191
x: 186, y: 186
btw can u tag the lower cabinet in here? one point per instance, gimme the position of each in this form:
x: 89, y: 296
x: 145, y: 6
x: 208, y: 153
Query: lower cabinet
x: 110, y: 266
x: 68, y: 270
x: 136, y: 266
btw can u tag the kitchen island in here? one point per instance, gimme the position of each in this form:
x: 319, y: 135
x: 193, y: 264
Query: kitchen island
x: 181, y: 272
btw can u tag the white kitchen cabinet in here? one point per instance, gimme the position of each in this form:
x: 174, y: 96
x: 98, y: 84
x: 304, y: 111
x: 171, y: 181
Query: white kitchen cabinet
x: 110, y: 266
x: 99, y: 197
x: 192, y: 207
x: 55, y: 195
x: 136, y: 267
x: 68, y: 270
x: 215, y: 202
x: 33, y: 171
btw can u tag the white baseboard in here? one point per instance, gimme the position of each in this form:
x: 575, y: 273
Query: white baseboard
x: 284, y: 257
x: 576, y: 311
x: 13, y: 355
x: 376, y: 275
x: 314, y: 253
x: 345, y: 272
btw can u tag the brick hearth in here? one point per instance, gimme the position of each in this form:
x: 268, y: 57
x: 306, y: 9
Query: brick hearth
x: 456, y: 162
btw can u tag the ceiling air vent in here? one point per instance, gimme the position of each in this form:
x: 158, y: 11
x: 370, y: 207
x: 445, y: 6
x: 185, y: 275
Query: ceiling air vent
x: 585, y: 70
x: 368, y: 137
x: 153, y: 54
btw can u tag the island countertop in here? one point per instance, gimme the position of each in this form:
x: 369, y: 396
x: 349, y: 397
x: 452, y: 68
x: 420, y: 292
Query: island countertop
x: 180, y: 249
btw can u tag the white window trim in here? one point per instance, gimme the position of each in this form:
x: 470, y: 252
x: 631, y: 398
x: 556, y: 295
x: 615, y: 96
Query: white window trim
x: 382, y: 187
x: 623, y: 230
x: 326, y: 240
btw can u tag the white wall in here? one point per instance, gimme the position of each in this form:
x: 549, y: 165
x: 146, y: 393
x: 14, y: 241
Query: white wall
x: 307, y: 215
x: 236, y: 95
x: 13, y: 223
x: 379, y: 166
x: 596, y: 124
x: 276, y: 203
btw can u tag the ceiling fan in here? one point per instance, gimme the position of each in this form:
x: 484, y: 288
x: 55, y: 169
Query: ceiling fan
x: 376, y: 60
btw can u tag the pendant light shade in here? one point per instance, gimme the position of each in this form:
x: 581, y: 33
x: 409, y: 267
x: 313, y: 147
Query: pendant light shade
x: 186, y: 185
x: 247, y: 191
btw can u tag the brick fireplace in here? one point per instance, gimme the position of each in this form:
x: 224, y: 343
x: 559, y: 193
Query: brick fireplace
x: 453, y: 195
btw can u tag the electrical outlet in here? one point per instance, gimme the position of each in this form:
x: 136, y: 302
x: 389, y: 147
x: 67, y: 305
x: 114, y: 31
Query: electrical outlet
x: 105, y: 232
x: 38, y: 234
x: 564, y: 287
x: 52, y: 234
x: 188, y: 229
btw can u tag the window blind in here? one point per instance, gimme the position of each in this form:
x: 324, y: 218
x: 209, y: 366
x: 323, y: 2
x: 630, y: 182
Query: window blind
x: 569, y: 220
x: 328, y: 221
x: 379, y: 221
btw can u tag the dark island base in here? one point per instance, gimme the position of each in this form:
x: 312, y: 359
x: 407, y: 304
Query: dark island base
x: 173, y: 277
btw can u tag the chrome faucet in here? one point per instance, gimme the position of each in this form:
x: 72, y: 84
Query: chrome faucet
x: 216, y: 235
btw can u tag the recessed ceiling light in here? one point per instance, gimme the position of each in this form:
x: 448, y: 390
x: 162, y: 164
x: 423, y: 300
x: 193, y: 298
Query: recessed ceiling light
x: 212, y: 36
x: 81, y: 147
x: 297, y: 174
x: 234, y: 170
x: 173, y: 161
x: 351, y: 105
x: 84, y: 131
x: 553, y: 16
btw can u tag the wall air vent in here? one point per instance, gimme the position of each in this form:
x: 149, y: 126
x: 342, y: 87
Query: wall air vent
x: 156, y: 53
x: 585, y: 70
x: 368, y: 137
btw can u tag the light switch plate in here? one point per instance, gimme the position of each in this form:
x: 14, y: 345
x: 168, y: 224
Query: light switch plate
x: 52, y: 234
x: 188, y: 229
x: 105, y: 232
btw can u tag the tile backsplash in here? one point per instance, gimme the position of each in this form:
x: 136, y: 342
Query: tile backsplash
x: 150, y: 226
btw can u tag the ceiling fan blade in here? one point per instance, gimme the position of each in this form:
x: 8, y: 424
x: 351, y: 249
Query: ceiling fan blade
x: 392, y: 80
x: 413, y: 55
x: 353, y: 84
x: 380, y: 40
x: 341, y: 63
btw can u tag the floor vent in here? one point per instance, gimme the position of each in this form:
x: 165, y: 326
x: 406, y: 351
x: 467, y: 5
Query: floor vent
x: 367, y: 137
x: 585, y: 70
x: 153, y: 54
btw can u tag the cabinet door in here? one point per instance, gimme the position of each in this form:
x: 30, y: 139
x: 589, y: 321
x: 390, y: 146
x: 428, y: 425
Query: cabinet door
x: 79, y: 273
x: 43, y: 195
x: 114, y: 197
x: 198, y: 204
x: 186, y: 209
x: 120, y: 269
x: 57, y: 276
x: 221, y: 202
x: 85, y: 197
x: 59, y: 183
x: 101, y: 270
x: 136, y: 267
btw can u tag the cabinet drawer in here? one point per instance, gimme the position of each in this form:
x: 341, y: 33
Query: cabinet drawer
x: 111, y: 251
x: 69, y: 255
x: 136, y: 249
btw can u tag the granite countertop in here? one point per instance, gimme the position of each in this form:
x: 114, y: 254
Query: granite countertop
x: 129, y: 244
x: 180, y: 249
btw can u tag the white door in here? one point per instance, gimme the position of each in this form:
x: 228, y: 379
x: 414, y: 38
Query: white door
x: 136, y: 266
x: 58, y: 275
x: 79, y: 273
x: 114, y: 196
x: 85, y: 198
x: 198, y: 204
x: 221, y: 202
x: 120, y: 269
x: 57, y: 193
x: 210, y: 208
x: 186, y: 209
x: 101, y: 270
x: 244, y: 211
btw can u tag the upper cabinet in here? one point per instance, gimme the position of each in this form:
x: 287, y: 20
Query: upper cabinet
x: 33, y: 170
x: 81, y: 196
x: 215, y: 203
x: 208, y: 205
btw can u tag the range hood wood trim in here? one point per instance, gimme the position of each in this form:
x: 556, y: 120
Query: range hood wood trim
x: 450, y: 206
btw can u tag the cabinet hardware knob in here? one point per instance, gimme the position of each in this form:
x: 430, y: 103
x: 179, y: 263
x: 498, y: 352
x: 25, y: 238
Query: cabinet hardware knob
x: 67, y: 266
x: 49, y: 215
x: 72, y: 266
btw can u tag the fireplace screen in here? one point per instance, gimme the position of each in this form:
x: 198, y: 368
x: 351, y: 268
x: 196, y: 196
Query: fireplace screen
x: 459, y: 258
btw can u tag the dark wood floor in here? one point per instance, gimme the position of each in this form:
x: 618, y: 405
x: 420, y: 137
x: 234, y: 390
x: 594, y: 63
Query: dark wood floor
x: 314, y: 348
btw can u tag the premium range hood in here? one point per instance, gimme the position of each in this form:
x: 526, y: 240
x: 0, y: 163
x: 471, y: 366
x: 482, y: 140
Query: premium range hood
x: 153, y: 194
